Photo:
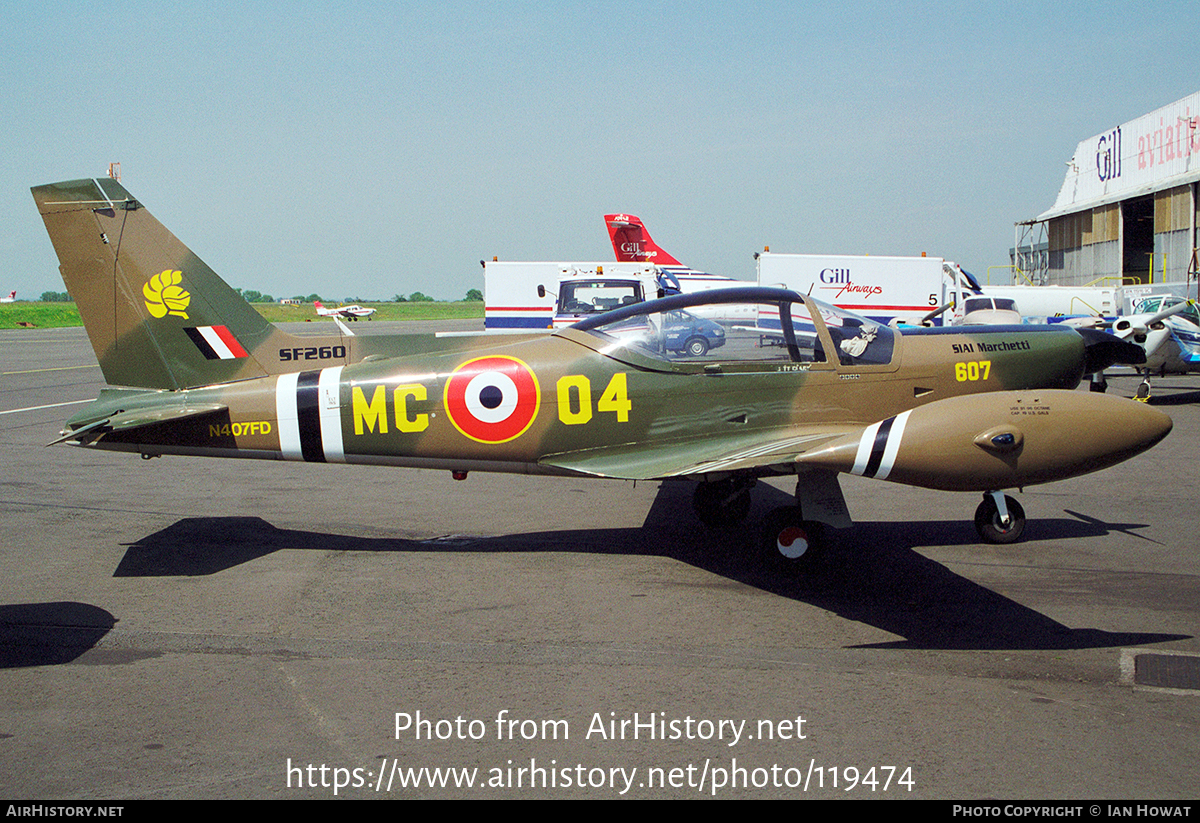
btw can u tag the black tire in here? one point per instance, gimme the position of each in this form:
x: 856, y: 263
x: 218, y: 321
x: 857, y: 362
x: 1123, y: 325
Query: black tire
x: 792, y: 542
x: 720, y: 503
x: 987, y: 521
x: 697, y: 347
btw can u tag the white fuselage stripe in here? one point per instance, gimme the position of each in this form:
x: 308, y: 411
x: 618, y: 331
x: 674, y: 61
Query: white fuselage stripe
x: 863, y: 456
x: 893, y: 446
x: 329, y: 392
x: 289, y: 420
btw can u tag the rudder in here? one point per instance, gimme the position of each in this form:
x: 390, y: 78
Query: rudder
x: 156, y: 314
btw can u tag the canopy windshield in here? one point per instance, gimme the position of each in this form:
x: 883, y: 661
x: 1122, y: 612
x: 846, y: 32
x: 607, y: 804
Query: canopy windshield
x: 769, y: 326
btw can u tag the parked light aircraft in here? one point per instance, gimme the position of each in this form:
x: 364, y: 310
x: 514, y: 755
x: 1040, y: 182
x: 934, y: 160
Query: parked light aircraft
x: 1168, y: 328
x: 12, y: 297
x: 985, y: 310
x: 348, y: 312
x: 194, y: 370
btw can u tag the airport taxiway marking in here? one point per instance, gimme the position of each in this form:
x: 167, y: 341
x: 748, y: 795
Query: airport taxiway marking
x: 47, y: 406
x: 55, y: 368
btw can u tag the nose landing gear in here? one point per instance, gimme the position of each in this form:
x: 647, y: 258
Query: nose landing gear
x: 999, y: 518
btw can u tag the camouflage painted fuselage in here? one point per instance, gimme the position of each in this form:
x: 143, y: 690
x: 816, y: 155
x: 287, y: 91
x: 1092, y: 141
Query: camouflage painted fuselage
x: 782, y: 384
x: 581, y: 410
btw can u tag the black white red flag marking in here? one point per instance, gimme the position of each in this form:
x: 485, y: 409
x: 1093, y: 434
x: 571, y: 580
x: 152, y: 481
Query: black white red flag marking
x: 216, y: 342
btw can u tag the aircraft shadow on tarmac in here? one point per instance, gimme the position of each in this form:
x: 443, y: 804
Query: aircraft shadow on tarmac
x: 47, y: 634
x: 872, y: 574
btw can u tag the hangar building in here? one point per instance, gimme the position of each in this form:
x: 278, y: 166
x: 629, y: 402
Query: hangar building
x: 1126, y: 212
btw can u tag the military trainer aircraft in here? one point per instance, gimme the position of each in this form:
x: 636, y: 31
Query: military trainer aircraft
x: 804, y: 389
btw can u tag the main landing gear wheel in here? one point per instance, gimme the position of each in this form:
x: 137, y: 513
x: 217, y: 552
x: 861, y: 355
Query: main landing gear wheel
x: 791, y: 541
x: 722, y: 502
x: 991, y: 525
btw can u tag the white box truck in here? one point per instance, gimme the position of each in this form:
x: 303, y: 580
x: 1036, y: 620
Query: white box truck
x: 884, y: 289
x: 544, y: 295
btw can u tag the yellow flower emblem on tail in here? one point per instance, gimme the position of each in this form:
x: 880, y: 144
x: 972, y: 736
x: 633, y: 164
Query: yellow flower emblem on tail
x: 165, y: 296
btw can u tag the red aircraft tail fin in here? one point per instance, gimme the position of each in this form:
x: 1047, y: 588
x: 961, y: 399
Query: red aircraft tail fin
x: 632, y: 242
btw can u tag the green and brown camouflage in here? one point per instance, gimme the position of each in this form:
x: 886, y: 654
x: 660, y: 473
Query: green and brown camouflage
x: 789, y: 386
x: 140, y: 290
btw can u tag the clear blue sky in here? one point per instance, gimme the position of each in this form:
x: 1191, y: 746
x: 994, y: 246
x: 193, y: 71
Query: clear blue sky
x: 370, y: 149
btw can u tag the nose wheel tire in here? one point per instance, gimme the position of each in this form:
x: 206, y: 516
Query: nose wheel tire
x: 990, y: 525
x: 791, y: 541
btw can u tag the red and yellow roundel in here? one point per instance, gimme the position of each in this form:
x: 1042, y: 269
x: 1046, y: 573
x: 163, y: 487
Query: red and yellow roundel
x: 492, y: 399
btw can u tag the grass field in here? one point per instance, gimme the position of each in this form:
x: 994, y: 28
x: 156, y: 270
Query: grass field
x: 52, y: 315
x: 38, y: 315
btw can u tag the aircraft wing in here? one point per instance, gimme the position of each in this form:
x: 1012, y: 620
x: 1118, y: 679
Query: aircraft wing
x: 692, y: 458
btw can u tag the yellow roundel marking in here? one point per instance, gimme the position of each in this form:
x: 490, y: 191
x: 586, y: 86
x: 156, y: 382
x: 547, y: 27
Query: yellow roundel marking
x: 165, y: 296
x: 492, y: 399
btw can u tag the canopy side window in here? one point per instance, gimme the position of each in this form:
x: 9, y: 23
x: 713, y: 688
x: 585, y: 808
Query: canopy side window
x: 755, y: 329
x: 731, y: 333
x: 859, y: 342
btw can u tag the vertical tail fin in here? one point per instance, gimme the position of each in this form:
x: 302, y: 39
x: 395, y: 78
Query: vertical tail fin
x: 632, y: 242
x: 156, y: 315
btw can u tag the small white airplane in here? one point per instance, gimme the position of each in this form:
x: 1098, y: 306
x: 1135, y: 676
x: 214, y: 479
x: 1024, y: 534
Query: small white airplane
x: 349, y: 312
x: 12, y: 297
x: 985, y: 310
x: 1168, y: 328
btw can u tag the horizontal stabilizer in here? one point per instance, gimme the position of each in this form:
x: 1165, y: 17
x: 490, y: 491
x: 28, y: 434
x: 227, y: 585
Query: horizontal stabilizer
x: 124, y: 420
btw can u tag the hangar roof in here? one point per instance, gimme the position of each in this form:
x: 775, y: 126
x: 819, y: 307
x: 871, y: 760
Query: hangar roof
x: 1157, y: 151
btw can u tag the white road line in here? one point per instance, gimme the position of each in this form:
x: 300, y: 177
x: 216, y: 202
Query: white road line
x: 57, y: 368
x: 49, y: 406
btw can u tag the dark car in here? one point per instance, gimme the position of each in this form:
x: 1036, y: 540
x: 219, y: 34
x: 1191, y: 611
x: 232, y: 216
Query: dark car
x: 687, y: 333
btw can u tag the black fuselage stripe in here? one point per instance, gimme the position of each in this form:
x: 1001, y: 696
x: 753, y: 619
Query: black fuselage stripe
x: 308, y: 416
x: 877, y: 449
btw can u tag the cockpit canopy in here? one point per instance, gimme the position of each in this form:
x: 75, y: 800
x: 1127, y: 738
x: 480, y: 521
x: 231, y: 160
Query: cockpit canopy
x: 989, y: 303
x: 1157, y: 303
x: 743, y: 325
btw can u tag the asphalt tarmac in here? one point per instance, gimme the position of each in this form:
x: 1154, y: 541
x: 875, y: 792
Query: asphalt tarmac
x: 193, y: 628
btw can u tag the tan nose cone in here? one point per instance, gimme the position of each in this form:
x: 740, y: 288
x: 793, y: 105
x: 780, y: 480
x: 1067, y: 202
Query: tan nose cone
x: 998, y: 440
